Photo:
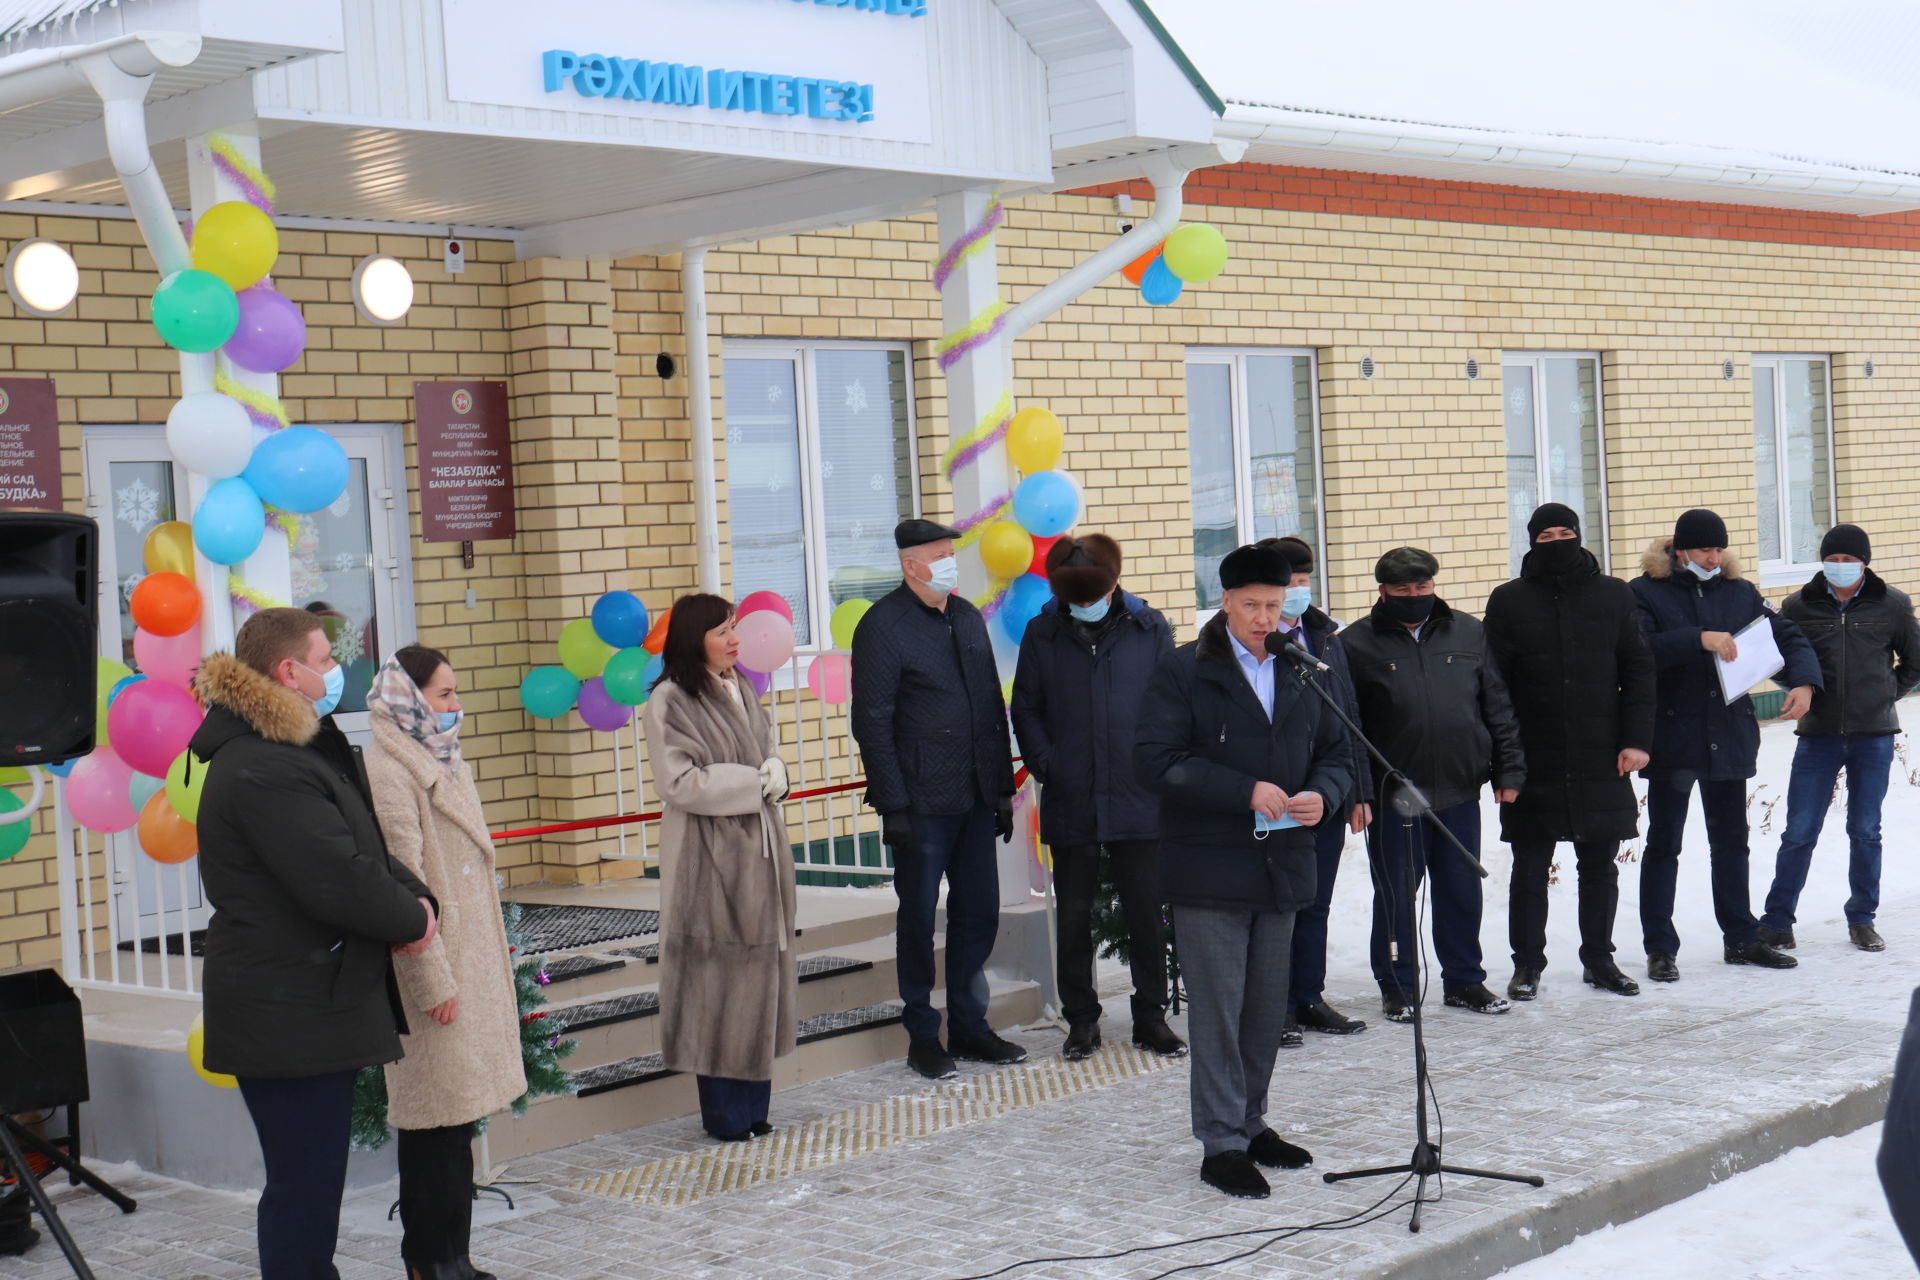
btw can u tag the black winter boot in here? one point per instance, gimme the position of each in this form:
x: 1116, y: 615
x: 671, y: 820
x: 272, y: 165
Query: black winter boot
x: 16, y: 1217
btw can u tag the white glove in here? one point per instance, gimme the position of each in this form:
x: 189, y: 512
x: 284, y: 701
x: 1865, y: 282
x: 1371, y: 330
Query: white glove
x: 773, y: 778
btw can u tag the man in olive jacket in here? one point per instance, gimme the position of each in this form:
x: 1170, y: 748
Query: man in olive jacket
x: 1246, y: 763
x: 1864, y: 633
x: 307, y: 909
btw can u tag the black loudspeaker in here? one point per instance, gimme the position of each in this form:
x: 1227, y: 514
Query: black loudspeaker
x: 43, y: 1047
x: 49, y: 635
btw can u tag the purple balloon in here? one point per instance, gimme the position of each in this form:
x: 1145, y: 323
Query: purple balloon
x: 760, y: 681
x: 271, y: 333
x: 599, y: 710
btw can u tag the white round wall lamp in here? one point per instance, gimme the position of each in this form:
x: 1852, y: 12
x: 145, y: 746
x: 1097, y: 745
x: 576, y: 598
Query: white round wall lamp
x: 42, y: 278
x: 382, y: 289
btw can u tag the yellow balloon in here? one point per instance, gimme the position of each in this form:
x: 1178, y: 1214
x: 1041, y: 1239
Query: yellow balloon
x: 169, y: 549
x: 1006, y: 549
x: 1034, y: 438
x: 196, y: 1043
x: 237, y: 242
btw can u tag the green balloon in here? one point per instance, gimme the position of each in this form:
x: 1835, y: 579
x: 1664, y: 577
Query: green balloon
x: 111, y: 673
x: 186, y: 779
x: 846, y: 617
x: 548, y: 692
x: 195, y: 311
x: 13, y: 835
x: 625, y: 676
x: 582, y: 651
x: 1196, y: 252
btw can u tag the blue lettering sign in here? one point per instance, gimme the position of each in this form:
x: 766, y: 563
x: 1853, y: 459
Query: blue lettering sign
x: 599, y: 75
x: 894, y: 8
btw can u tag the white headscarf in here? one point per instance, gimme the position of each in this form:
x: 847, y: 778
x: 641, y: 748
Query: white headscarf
x: 395, y: 696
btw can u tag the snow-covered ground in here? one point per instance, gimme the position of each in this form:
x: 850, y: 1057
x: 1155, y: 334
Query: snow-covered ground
x: 1817, y: 1211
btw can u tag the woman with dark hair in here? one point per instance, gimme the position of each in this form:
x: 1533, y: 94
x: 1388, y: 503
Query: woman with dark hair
x: 463, y: 1048
x: 727, y: 976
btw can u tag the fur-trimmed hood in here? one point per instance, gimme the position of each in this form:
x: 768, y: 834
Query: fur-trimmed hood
x: 1657, y: 561
x: 273, y: 711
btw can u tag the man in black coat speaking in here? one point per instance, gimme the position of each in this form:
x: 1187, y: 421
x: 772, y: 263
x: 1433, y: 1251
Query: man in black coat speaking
x: 1568, y: 641
x: 1246, y: 763
x: 932, y: 729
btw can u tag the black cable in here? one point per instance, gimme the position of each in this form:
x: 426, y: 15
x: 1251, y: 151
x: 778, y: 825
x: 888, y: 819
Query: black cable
x: 1365, y: 1217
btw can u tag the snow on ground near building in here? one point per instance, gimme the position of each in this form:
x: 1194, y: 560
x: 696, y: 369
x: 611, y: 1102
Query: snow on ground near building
x: 1817, y: 1211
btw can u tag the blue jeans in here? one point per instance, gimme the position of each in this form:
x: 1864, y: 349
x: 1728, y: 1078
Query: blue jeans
x: 1724, y: 805
x: 1867, y: 758
x: 958, y: 846
x: 1309, y: 967
x: 1455, y: 905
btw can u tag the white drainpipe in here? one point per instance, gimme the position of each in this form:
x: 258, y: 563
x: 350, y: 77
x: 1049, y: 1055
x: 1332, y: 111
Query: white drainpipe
x: 706, y: 519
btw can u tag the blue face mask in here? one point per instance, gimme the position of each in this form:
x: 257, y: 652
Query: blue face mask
x: 1297, y: 601
x: 1701, y: 572
x: 336, y: 684
x: 450, y: 720
x: 1842, y: 573
x: 1091, y: 612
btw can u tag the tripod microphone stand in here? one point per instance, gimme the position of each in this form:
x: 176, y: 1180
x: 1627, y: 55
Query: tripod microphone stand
x: 1408, y: 800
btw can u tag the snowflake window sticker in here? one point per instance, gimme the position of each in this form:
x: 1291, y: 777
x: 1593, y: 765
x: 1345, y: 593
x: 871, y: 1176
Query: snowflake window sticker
x: 826, y: 469
x: 346, y: 647
x: 856, y: 397
x: 774, y: 393
x: 876, y: 482
x: 344, y: 561
x: 137, y: 505
x: 126, y: 587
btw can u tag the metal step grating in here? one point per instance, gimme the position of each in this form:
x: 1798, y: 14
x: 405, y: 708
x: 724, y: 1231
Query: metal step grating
x: 551, y: 927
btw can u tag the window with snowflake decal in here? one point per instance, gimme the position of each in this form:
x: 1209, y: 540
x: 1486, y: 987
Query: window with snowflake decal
x: 1555, y: 447
x: 142, y: 498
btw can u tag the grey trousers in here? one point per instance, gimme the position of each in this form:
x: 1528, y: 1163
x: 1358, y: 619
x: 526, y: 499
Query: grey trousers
x: 1235, y: 967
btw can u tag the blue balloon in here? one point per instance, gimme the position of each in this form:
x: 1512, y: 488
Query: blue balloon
x: 121, y: 685
x: 1046, y: 504
x: 1026, y: 596
x: 299, y: 469
x: 1159, y: 286
x: 230, y: 521
x: 620, y: 619
x: 62, y: 769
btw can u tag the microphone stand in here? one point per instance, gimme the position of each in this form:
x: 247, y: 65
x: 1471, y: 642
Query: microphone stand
x: 1410, y: 802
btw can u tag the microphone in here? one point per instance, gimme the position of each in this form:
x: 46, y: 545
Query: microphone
x: 1280, y: 647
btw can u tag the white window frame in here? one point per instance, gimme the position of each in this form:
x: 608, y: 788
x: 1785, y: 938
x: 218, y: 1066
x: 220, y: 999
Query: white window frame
x: 1235, y: 358
x: 1785, y: 572
x: 813, y: 489
x: 1536, y: 362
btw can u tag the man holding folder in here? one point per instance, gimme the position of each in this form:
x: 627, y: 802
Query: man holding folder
x: 1693, y: 602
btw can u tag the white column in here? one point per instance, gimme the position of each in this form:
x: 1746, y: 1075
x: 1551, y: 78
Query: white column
x: 976, y: 382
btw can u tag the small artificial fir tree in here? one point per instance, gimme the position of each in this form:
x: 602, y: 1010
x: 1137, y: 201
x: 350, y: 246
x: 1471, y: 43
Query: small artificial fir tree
x: 541, y: 1048
x: 1110, y: 939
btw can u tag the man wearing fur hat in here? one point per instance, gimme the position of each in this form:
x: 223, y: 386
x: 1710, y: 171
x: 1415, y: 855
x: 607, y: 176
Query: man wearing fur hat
x: 1693, y: 602
x: 1246, y: 763
x: 307, y: 907
x: 1084, y: 664
x: 1863, y: 632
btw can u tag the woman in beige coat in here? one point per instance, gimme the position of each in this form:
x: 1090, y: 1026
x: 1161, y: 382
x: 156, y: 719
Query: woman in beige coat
x: 463, y: 1053
x: 727, y: 980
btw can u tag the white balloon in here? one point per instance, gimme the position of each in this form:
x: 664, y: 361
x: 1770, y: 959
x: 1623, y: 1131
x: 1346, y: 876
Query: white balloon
x: 210, y: 433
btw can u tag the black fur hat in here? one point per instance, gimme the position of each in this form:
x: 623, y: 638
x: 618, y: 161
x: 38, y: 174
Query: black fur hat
x: 1083, y: 569
x: 1255, y: 566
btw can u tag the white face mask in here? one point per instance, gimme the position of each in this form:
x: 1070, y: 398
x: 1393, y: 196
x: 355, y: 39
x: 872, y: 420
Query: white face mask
x: 946, y: 574
x: 1702, y: 572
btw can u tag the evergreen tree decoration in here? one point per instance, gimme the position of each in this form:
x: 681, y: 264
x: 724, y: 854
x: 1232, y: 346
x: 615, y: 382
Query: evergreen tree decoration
x: 541, y: 1048
x: 1110, y: 938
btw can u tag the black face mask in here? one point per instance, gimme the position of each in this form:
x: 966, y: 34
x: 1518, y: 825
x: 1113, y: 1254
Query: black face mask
x: 1557, y: 557
x: 1409, y: 611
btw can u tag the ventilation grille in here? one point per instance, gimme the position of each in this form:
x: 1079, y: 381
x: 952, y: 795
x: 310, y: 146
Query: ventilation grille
x: 1367, y: 367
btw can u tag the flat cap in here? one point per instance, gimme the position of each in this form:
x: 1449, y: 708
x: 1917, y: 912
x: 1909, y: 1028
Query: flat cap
x: 1405, y: 564
x: 915, y: 533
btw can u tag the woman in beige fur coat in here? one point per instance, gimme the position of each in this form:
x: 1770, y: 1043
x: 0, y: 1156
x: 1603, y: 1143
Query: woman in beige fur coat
x: 727, y: 984
x: 463, y: 1052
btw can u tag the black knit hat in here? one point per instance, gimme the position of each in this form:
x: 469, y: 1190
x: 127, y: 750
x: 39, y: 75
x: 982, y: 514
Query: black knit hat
x: 1551, y: 515
x: 1083, y: 569
x: 1405, y: 564
x: 1255, y: 566
x: 1847, y: 540
x: 1698, y: 529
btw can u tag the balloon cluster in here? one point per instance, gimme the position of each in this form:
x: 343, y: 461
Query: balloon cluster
x: 141, y: 776
x: 1046, y: 502
x: 1193, y: 254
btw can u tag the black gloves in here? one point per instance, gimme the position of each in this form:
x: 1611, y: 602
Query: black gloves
x: 1003, y: 818
x: 896, y: 832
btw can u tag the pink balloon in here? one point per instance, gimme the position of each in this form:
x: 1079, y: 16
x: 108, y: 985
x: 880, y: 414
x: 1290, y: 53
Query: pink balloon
x: 97, y: 791
x: 761, y: 601
x: 760, y: 680
x: 168, y: 659
x: 830, y: 676
x: 766, y: 640
x: 597, y: 707
x: 150, y: 724
x: 271, y: 333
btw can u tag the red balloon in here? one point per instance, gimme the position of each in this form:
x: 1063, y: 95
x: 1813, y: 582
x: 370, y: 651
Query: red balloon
x: 1040, y: 548
x: 166, y: 604
x: 1138, y: 267
x: 150, y: 723
x: 765, y: 600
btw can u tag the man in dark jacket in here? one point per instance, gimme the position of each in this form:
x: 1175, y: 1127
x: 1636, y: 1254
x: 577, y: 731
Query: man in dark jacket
x: 1246, y: 763
x: 1864, y: 633
x: 307, y: 906
x: 1433, y: 702
x: 1084, y: 666
x: 1692, y: 603
x: 1567, y: 639
x: 932, y: 729
x: 1314, y: 631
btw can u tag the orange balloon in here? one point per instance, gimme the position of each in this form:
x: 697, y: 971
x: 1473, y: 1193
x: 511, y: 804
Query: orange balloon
x: 165, y: 836
x: 657, y: 637
x: 165, y: 604
x: 1138, y: 267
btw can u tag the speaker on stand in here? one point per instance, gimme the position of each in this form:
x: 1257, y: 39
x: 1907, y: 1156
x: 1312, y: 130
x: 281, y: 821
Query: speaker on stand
x: 49, y: 635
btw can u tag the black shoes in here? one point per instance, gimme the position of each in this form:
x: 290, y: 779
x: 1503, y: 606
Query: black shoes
x: 1759, y: 953
x: 1778, y: 939
x: 1866, y: 937
x: 1275, y: 1152
x: 16, y: 1218
x: 1233, y: 1173
x: 986, y: 1047
x: 1525, y: 984
x: 1396, y: 1007
x: 1609, y: 978
x: 1156, y: 1036
x: 760, y: 1128
x: 1083, y: 1042
x: 1324, y: 1018
x: 1290, y: 1037
x: 1661, y: 968
x: 1477, y: 998
x: 930, y: 1060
